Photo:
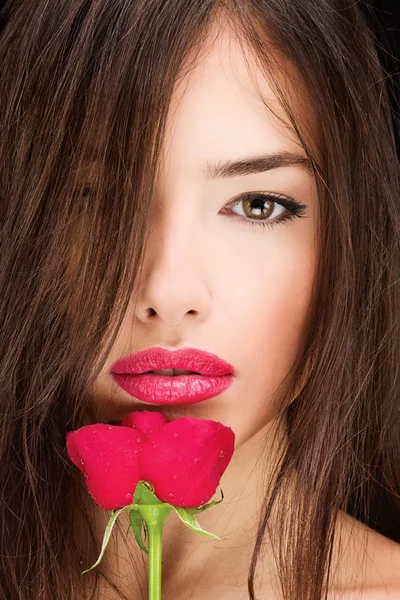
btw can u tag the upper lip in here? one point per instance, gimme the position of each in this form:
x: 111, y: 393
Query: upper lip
x: 158, y: 358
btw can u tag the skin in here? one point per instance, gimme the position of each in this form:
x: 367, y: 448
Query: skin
x: 237, y: 291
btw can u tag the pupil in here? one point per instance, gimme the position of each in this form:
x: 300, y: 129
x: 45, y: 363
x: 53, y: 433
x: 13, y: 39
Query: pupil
x: 259, y: 204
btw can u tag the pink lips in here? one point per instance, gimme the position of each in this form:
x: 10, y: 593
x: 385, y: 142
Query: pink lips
x: 212, y: 375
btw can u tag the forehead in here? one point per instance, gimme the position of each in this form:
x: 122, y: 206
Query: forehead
x: 217, y: 110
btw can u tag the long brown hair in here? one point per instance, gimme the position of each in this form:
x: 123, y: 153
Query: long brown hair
x: 82, y: 78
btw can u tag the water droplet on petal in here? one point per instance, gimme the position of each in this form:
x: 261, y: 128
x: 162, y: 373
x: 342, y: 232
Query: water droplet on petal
x: 135, y: 450
x: 175, y: 435
x: 174, y: 477
x: 150, y: 431
x: 195, y: 460
x: 109, y: 427
x: 82, y: 462
x: 108, y: 464
x: 94, y: 430
x: 139, y: 440
x: 222, y: 454
x: 170, y: 495
x: 128, y: 497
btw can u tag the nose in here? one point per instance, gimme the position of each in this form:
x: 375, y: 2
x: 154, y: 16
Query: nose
x: 175, y: 276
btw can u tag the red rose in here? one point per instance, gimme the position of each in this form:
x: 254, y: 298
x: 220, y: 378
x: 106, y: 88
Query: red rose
x: 183, y: 459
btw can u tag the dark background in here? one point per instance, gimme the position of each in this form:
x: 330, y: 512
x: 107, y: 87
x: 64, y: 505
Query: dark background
x: 383, y: 17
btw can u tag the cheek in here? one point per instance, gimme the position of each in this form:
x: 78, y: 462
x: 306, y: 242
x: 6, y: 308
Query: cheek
x: 271, y: 307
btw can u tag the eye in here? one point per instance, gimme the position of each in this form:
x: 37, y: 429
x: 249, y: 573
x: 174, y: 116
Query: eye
x: 264, y: 209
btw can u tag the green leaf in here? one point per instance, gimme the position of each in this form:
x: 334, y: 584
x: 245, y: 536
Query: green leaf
x: 136, y: 522
x: 191, y: 522
x: 107, y: 533
x: 194, y: 511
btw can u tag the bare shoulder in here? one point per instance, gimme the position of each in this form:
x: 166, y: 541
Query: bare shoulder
x: 366, y: 563
x: 389, y: 592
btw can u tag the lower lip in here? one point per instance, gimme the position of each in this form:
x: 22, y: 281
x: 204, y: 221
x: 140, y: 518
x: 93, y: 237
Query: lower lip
x: 180, y: 389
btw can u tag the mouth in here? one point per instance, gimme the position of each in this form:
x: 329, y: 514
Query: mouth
x: 160, y: 376
x: 173, y: 389
x: 172, y: 372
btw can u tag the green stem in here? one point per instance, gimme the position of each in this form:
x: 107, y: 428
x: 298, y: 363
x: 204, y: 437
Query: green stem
x: 155, y: 557
x: 154, y: 517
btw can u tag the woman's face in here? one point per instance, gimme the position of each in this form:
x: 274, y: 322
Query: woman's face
x: 216, y: 282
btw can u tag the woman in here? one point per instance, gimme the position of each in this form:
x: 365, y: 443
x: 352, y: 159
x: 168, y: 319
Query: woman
x: 211, y: 175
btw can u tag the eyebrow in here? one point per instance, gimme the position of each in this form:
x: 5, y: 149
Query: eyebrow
x: 257, y: 164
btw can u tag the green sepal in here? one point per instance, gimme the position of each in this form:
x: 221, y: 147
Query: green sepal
x: 144, y: 498
x: 144, y: 494
x: 136, y: 523
x: 200, y: 509
x: 187, y: 517
x: 107, y: 533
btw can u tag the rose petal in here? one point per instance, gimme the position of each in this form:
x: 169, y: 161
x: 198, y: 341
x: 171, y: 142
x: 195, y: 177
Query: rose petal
x: 107, y: 455
x: 185, y: 459
x: 145, y: 421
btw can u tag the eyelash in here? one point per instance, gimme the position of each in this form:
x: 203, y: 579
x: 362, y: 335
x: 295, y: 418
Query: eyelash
x: 296, y: 209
